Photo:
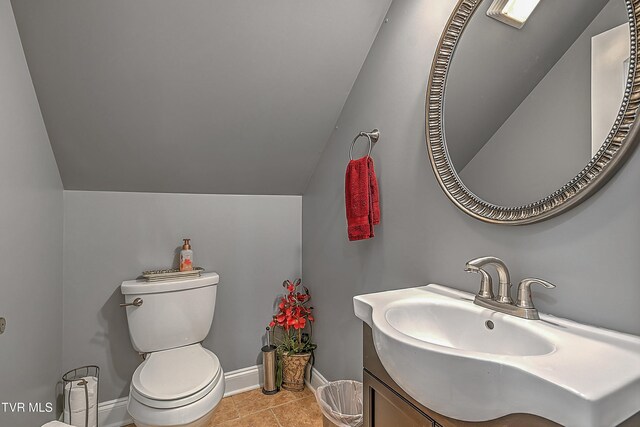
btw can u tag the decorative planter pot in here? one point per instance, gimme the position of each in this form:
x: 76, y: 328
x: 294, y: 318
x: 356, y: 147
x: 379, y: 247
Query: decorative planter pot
x: 293, y: 370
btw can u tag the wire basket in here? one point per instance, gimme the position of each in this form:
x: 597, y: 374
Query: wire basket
x: 80, y: 390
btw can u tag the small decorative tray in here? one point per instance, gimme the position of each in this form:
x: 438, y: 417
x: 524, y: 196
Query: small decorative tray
x: 171, y: 274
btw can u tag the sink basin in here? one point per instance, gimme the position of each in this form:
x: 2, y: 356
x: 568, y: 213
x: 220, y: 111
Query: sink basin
x: 474, y: 364
x: 455, y: 326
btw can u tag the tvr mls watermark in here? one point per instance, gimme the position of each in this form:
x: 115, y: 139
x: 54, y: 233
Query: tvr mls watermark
x: 27, y: 407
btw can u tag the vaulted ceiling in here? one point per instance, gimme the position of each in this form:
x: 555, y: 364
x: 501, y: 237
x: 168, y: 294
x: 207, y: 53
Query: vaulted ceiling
x: 193, y: 96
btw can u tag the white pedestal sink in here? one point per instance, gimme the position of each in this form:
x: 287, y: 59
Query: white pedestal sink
x: 474, y: 364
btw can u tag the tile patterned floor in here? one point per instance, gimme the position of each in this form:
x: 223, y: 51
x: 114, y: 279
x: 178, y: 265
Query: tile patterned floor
x: 254, y: 409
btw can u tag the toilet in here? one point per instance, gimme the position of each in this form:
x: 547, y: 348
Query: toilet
x: 179, y: 383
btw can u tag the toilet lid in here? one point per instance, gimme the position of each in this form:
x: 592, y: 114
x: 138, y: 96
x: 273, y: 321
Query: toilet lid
x: 175, y: 374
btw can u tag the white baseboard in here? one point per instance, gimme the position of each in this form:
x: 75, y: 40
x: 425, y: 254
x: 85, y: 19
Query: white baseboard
x: 114, y: 412
x: 242, y: 380
x: 317, y: 379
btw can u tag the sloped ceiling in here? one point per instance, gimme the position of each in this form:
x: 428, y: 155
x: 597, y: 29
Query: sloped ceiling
x: 193, y: 96
x: 495, y: 67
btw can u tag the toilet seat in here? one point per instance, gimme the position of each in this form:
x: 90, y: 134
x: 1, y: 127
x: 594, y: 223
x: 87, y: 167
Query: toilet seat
x: 175, y: 377
x: 196, y: 414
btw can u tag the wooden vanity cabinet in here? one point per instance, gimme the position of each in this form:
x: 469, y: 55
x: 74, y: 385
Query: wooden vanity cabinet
x: 383, y: 407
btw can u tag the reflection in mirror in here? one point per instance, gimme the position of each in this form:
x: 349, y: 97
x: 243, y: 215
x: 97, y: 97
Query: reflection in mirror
x: 525, y: 110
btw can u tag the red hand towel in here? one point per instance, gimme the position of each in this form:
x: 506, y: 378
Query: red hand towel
x: 375, y: 195
x: 361, y: 199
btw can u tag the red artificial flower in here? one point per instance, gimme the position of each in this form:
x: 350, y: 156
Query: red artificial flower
x: 297, y: 322
x: 291, y: 312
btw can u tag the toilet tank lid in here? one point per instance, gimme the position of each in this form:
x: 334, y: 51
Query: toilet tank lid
x: 141, y: 286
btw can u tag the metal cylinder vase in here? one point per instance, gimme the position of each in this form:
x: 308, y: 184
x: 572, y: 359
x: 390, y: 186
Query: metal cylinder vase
x: 269, y: 366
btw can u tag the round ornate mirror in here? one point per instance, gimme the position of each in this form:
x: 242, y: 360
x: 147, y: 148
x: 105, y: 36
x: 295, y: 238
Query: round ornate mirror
x: 525, y: 123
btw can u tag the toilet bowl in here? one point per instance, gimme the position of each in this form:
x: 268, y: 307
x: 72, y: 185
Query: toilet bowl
x: 177, y: 387
x: 180, y: 383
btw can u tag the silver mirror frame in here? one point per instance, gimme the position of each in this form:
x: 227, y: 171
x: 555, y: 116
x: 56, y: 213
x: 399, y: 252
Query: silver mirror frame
x: 614, y: 151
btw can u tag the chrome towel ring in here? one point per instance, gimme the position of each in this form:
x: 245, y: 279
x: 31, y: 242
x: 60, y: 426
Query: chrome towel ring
x: 372, y: 136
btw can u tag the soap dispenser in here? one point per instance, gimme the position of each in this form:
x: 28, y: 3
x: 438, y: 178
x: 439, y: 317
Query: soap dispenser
x: 186, y: 256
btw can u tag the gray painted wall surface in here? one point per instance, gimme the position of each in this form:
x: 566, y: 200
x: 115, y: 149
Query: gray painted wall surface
x: 495, y: 66
x: 554, y: 118
x: 253, y: 242
x: 31, y: 240
x: 591, y: 252
x: 197, y: 96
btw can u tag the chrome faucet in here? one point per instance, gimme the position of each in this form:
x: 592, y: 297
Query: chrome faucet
x: 503, y: 302
x: 504, y: 279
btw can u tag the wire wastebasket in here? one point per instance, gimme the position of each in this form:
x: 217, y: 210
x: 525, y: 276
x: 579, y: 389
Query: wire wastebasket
x: 81, y: 396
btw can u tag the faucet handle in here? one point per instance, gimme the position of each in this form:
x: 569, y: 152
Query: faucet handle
x: 524, y: 291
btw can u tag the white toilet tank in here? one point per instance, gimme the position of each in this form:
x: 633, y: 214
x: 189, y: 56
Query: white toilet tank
x: 172, y: 314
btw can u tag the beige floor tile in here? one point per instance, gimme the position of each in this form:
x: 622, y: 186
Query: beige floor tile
x: 301, y: 413
x: 255, y: 409
x: 290, y: 396
x: 255, y: 401
x: 263, y: 418
x: 307, y: 392
x: 225, y: 411
x: 248, y: 395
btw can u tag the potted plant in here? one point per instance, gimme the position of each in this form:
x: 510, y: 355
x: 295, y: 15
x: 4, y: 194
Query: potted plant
x: 291, y: 327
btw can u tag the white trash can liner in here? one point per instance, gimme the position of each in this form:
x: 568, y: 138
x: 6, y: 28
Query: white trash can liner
x: 341, y: 402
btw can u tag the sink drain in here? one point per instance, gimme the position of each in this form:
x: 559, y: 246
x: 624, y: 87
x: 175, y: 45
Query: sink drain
x: 489, y: 324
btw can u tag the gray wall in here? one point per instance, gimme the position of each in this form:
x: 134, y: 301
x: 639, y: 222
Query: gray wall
x: 253, y: 242
x: 234, y: 97
x: 31, y: 239
x: 554, y: 118
x: 591, y: 252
